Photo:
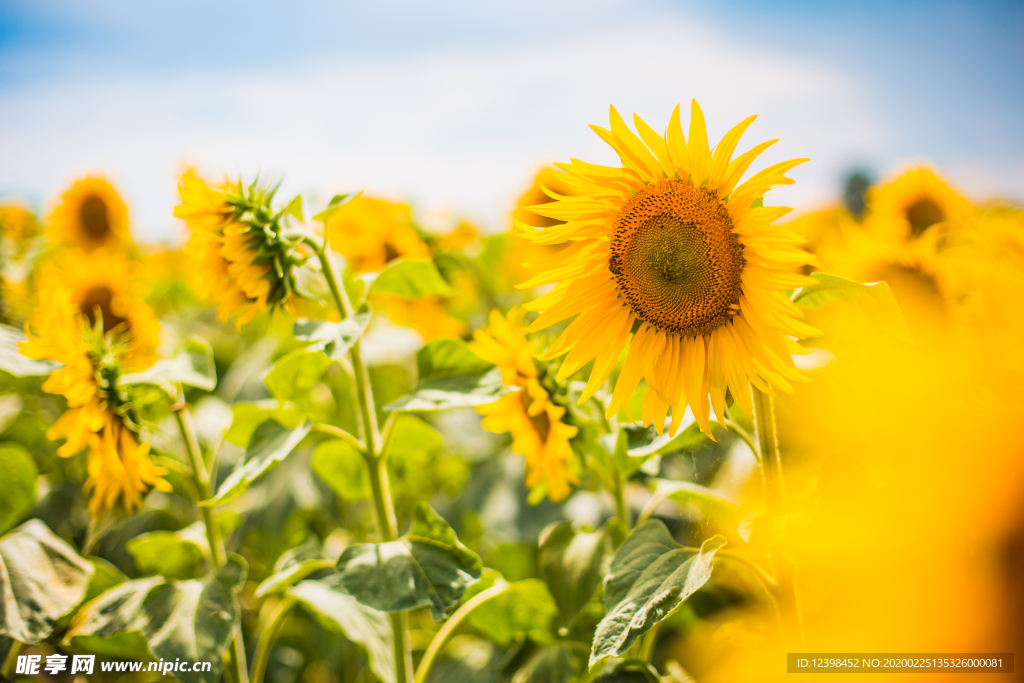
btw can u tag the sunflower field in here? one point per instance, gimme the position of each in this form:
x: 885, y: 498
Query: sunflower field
x: 656, y: 430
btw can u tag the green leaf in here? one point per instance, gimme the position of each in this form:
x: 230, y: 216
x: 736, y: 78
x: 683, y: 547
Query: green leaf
x: 293, y: 566
x: 42, y: 579
x: 428, y: 567
x: 411, y: 280
x: 105, y: 576
x: 342, y: 467
x: 650, y: 576
x: 525, y: 610
x: 875, y: 301
x: 19, y: 487
x: 270, y: 444
x: 551, y: 664
x: 294, y: 207
x: 366, y: 627
x: 174, y: 554
x: 334, y: 339
x: 194, y: 368
x: 190, y: 620
x: 626, y: 676
x: 450, y: 376
x: 645, y: 442
x: 11, y: 360
x: 296, y: 373
x: 572, y: 562
x: 250, y: 415
x: 413, y: 436
x: 337, y: 201
x: 687, y: 491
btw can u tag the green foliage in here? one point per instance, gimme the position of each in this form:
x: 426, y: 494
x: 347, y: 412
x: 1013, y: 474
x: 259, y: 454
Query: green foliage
x: 42, y: 579
x: 450, y: 376
x: 523, y: 610
x: 174, y: 554
x: 247, y: 416
x: 194, y: 368
x: 337, y: 610
x: 872, y: 303
x: 295, y: 374
x: 551, y: 664
x: 337, y: 202
x: 20, y: 478
x: 334, y: 339
x: 428, y: 567
x: 343, y: 468
x: 411, y: 280
x: 191, y: 620
x: 270, y: 444
x: 293, y: 566
x: 572, y: 562
x: 650, y: 576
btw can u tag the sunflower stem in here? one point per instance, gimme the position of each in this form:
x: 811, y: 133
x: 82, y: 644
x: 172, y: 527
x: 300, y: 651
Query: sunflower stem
x: 7, y: 670
x: 775, y: 502
x: 267, y: 637
x: 375, y: 457
x: 218, y: 555
x: 442, y: 636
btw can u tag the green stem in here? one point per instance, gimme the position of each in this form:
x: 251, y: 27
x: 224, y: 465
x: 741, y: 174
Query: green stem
x: 442, y: 636
x: 6, y: 671
x: 648, y: 642
x: 375, y: 461
x: 267, y: 637
x: 745, y: 436
x: 218, y: 554
x: 775, y: 504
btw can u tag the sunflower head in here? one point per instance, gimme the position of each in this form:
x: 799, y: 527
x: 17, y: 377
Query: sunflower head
x: 90, y: 215
x: 910, y: 205
x: 247, y: 260
x: 673, y: 261
x: 371, y: 232
x: 17, y: 223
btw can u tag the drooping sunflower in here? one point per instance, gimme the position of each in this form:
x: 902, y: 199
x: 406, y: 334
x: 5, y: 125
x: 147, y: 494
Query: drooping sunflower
x: 99, y: 415
x: 527, y: 412
x: 371, y: 232
x: 910, y: 204
x: 89, y: 215
x: 99, y: 287
x: 674, y: 261
x: 245, y: 263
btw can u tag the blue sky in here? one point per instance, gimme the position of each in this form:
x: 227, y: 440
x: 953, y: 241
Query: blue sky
x: 454, y: 105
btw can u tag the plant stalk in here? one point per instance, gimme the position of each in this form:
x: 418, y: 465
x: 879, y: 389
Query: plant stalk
x: 442, y: 636
x: 218, y: 555
x: 7, y: 670
x: 775, y: 503
x: 267, y: 637
x: 375, y: 461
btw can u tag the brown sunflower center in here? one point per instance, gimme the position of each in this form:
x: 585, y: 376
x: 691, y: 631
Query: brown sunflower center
x: 541, y: 422
x: 390, y: 252
x: 95, y: 218
x: 100, y: 299
x: 923, y: 214
x: 676, y: 259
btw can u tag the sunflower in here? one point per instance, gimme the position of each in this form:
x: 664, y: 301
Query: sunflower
x: 99, y: 415
x: 244, y: 261
x: 370, y: 233
x: 17, y: 223
x: 674, y: 262
x: 527, y: 412
x: 90, y: 215
x: 910, y: 204
x: 426, y: 314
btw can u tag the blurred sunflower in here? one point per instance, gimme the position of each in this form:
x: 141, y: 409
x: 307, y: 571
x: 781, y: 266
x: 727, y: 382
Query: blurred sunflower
x: 527, y: 412
x: 99, y: 415
x: 245, y: 264
x: 370, y: 233
x: 17, y: 223
x: 672, y: 260
x: 518, y: 249
x: 910, y: 204
x: 89, y: 215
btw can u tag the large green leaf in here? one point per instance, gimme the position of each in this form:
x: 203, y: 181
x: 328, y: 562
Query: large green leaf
x: 296, y: 373
x: 523, y: 610
x: 19, y: 487
x: 11, y: 360
x: 174, y: 554
x: 190, y: 620
x: 270, y: 444
x: 551, y: 664
x: 343, y: 468
x: 42, y: 579
x: 334, y: 339
x: 874, y: 302
x: 248, y: 415
x: 428, y: 567
x: 450, y: 376
x: 572, y: 562
x: 411, y: 280
x: 650, y: 576
x: 363, y: 625
x: 194, y: 368
x: 294, y: 565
